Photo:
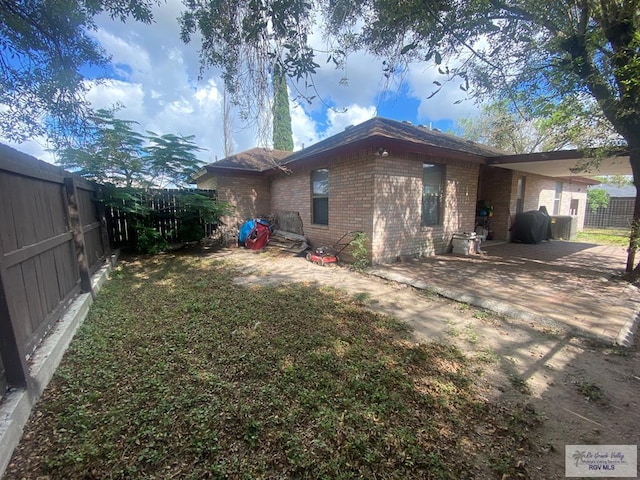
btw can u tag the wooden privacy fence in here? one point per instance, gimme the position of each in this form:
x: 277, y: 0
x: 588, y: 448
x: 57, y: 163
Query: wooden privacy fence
x: 168, y: 215
x: 52, y: 238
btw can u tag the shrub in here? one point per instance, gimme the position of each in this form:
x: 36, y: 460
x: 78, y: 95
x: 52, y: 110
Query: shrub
x: 596, y: 198
x: 359, y: 251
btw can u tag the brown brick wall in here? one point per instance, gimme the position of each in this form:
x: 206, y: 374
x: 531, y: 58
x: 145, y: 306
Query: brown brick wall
x: 250, y: 195
x: 397, y: 212
x: 350, y: 198
x: 382, y: 197
x: 498, y: 186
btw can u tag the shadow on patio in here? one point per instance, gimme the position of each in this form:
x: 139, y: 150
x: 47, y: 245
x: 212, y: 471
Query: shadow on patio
x: 565, y: 285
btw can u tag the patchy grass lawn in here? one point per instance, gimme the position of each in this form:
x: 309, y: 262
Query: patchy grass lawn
x: 605, y: 236
x: 179, y: 373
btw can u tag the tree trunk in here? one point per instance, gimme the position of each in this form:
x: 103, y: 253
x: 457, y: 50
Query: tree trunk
x: 634, y: 158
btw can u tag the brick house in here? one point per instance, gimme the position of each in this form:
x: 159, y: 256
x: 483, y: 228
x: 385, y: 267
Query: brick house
x: 407, y: 187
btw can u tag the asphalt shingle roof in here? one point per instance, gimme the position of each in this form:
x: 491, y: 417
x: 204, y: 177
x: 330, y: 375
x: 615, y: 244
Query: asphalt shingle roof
x: 260, y: 159
x: 403, y: 131
x: 256, y: 159
x: 627, y: 191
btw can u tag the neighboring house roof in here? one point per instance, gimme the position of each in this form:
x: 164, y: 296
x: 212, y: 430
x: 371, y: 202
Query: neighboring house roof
x: 258, y: 159
x: 628, y: 191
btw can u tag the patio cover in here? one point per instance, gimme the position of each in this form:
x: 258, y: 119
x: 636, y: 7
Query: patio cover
x: 563, y: 163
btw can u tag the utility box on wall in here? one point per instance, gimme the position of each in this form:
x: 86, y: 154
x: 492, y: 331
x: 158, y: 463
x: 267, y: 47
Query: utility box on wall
x: 564, y: 227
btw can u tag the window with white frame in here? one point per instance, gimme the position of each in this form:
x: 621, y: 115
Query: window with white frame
x: 557, y: 198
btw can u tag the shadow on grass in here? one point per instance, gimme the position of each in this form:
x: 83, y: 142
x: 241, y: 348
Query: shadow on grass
x: 179, y: 372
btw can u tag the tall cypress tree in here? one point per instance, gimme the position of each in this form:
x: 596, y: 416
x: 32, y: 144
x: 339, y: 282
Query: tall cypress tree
x: 282, y: 136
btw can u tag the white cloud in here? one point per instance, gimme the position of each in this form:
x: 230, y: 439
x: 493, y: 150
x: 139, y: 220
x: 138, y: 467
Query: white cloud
x: 124, y: 51
x: 107, y: 93
x: 354, y: 115
x: 303, y: 128
x: 160, y: 87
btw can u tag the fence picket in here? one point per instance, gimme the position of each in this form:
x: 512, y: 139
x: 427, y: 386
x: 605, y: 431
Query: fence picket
x: 166, y: 217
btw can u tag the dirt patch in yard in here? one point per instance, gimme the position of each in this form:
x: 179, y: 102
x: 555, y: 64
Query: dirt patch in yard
x: 583, y: 392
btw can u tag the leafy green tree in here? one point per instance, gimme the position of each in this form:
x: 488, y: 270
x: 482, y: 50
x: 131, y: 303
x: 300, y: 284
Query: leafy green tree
x: 597, y: 198
x: 508, y: 129
x: 282, y: 136
x: 44, y: 47
x: 114, y: 152
x: 132, y: 167
x: 171, y: 159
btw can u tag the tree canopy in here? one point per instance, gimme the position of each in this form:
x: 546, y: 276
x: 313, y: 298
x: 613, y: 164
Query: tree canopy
x: 502, y: 126
x: 45, y: 46
x: 115, y: 153
x: 597, y: 198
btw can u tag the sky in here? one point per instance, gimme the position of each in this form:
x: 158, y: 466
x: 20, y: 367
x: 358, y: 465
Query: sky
x: 156, y: 77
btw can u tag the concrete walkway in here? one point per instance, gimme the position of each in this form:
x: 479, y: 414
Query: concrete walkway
x: 563, y: 285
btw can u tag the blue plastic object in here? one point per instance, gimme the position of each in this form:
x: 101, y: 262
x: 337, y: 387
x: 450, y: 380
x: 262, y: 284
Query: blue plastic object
x: 245, y: 230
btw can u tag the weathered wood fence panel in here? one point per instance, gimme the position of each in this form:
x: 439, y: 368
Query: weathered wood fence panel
x: 53, y: 235
x: 50, y: 226
x: 167, y: 216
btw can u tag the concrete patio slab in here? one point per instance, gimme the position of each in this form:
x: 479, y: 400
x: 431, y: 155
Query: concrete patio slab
x: 566, y: 285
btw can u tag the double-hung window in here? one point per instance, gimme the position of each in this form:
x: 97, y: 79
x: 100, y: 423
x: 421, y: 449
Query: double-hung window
x: 432, y: 194
x: 557, y: 198
x: 320, y: 197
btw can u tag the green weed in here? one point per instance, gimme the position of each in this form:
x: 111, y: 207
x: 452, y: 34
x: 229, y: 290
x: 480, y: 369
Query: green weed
x: 591, y: 391
x: 520, y: 384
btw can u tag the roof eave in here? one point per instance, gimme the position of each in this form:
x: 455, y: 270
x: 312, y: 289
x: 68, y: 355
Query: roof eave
x: 234, y: 170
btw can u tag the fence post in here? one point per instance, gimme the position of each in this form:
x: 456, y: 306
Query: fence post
x: 16, y: 369
x: 104, y: 227
x: 78, y: 235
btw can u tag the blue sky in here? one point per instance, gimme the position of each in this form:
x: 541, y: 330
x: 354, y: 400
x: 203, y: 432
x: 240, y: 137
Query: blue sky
x: 155, y: 77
